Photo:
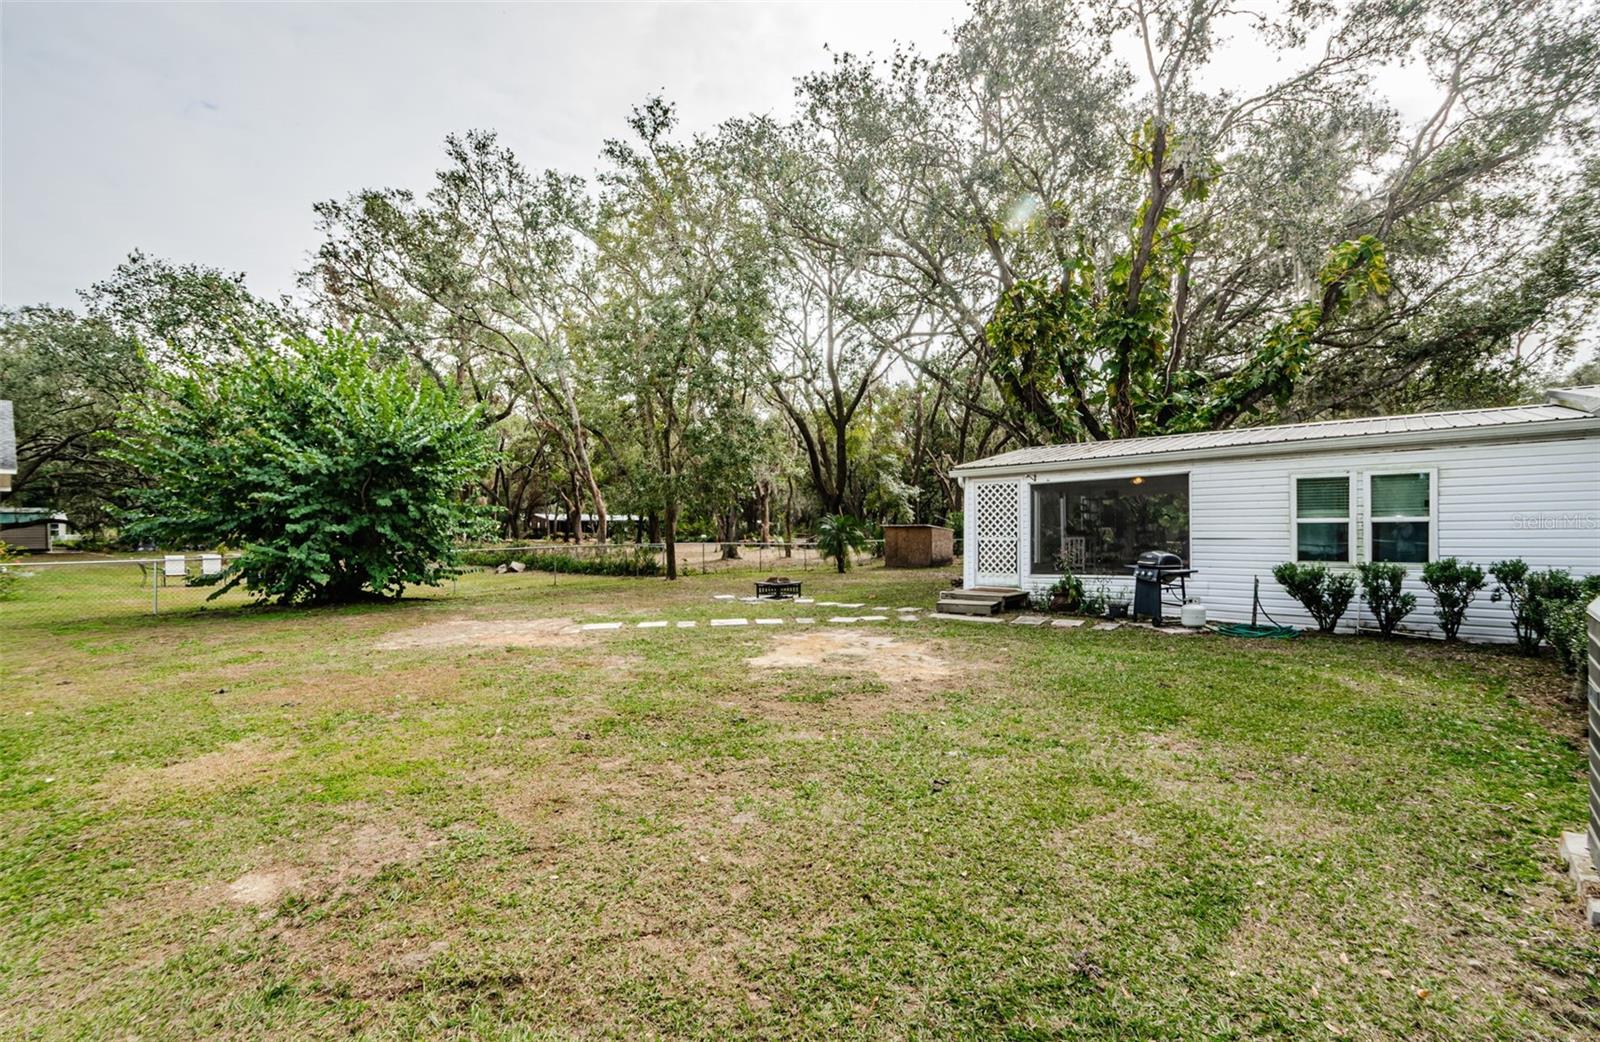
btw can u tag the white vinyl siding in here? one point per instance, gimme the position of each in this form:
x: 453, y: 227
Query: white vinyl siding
x: 1538, y: 500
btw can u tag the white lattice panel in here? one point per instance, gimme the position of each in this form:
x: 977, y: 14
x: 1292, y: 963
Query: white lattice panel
x: 997, y: 529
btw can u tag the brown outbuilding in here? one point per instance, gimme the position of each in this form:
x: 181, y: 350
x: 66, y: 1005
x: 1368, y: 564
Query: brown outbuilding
x: 917, y: 546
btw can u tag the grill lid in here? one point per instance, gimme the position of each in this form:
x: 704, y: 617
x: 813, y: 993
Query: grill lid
x: 1160, y: 559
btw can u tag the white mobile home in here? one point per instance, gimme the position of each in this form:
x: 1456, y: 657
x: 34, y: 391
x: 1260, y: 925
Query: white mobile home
x: 1482, y: 485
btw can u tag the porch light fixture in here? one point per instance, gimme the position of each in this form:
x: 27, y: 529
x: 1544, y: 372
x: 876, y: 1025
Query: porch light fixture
x: 1138, y: 481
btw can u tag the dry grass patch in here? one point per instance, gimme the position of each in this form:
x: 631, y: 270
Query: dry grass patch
x: 236, y: 764
x: 484, y: 633
x: 853, y: 651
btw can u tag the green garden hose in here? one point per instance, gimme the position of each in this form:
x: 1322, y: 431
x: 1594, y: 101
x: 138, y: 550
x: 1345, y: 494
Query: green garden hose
x: 1241, y: 629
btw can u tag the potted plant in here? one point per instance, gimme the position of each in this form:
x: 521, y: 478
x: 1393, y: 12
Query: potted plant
x: 1066, y: 593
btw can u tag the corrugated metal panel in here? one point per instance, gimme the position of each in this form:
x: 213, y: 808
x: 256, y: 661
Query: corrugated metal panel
x: 1538, y: 500
x: 1248, y: 437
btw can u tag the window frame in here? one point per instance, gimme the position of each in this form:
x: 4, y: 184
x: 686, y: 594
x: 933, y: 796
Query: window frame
x: 1432, y: 518
x: 1352, y: 551
x: 1037, y: 481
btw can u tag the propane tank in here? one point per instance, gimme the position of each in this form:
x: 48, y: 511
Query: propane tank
x: 1193, y: 614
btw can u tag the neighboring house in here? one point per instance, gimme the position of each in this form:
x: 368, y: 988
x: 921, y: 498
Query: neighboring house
x: 33, y: 528
x: 8, y: 446
x: 1482, y: 485
x: 554, y: 525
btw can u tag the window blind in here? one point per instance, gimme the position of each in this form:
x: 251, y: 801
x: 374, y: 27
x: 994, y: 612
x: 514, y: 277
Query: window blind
x: 1322, y: 497
x: 1400, y: 495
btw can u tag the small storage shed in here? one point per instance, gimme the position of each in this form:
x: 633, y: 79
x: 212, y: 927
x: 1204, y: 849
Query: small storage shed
x: 917, y: 546
x: 1482, y: 485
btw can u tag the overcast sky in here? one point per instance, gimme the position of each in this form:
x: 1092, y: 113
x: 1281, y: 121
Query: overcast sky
x: 205, y: 132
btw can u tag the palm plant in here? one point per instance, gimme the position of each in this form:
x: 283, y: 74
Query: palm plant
x: 839, y: 535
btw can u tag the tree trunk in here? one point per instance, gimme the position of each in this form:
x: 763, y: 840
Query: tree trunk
x: 672, y: 541
x: 730, y: 534
x: 788, y: 521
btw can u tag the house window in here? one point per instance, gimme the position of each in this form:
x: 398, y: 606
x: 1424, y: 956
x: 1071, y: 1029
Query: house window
x: 1100, y: 527
x: 1401, y: 513
x: 1322, y: 518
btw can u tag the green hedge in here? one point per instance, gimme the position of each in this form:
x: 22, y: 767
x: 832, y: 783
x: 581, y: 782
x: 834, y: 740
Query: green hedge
x: 622, y: 560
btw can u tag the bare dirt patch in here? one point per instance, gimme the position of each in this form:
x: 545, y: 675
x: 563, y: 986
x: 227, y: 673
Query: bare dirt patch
x: 485, y: 633
x: 337, y: 863
x: 235, y: 764
x: 853, y: 651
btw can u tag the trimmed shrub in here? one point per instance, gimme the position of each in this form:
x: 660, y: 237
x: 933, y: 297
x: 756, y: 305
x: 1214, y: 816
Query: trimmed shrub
x: 1325, y: 594
x: 1453, y: 584
x: 630, y: 561
x: 1557, y: 601
x: 1382, y: 588
x: 1511, y: 586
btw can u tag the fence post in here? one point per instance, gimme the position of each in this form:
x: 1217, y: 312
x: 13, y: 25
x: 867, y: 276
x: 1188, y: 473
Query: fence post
x: 155, y: 588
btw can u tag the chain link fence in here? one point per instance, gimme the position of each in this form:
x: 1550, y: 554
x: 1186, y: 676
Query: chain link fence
x: 48, y: 590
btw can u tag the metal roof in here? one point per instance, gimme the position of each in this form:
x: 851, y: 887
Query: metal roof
x: 8, y: 439
x: 1514, y: 420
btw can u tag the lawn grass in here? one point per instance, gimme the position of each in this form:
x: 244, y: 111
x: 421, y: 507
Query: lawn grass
x: 317, y: 824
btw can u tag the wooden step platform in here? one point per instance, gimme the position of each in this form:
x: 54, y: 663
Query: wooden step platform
x: 982, y: 600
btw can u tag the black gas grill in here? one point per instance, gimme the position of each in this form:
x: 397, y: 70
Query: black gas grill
x: 1156, y: 575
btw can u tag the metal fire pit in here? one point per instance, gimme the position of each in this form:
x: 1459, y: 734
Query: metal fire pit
x: 1156, y: 575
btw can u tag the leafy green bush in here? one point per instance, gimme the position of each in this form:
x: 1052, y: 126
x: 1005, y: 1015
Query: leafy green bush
x: 1453, y: 584
x: 1511, y: 586
x: 618, y: 560
x: 1325, y: 594
x: 1557, y: 602
x: 1382, y: 587
x: 337, y: 476
x: 8, y: 572
x: 838, y: 535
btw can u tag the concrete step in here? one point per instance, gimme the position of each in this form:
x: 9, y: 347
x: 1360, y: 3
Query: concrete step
x: 958, y: 606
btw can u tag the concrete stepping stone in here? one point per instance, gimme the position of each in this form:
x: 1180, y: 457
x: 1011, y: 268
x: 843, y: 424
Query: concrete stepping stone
x: 805, y: 600
x: 659, y: 624
x: 829, y: 604
x: 847, y: 604
x: 730, y: 622
x: 1029, y: 620
x: 601, y: 626
x: 1066, y: 624
x: 844, y: 618
x: 769, y: 622
x: 686, y: 625
x: 1108, y: 625
x: 805, y: 621
x: 724, y: 597
x: 952, y: 617
x: 908, y: 609
x: 874, y: 618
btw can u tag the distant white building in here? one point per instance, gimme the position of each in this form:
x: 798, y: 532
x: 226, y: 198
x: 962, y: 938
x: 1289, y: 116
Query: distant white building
x: 1482, y: 485
x: 8, y: 446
